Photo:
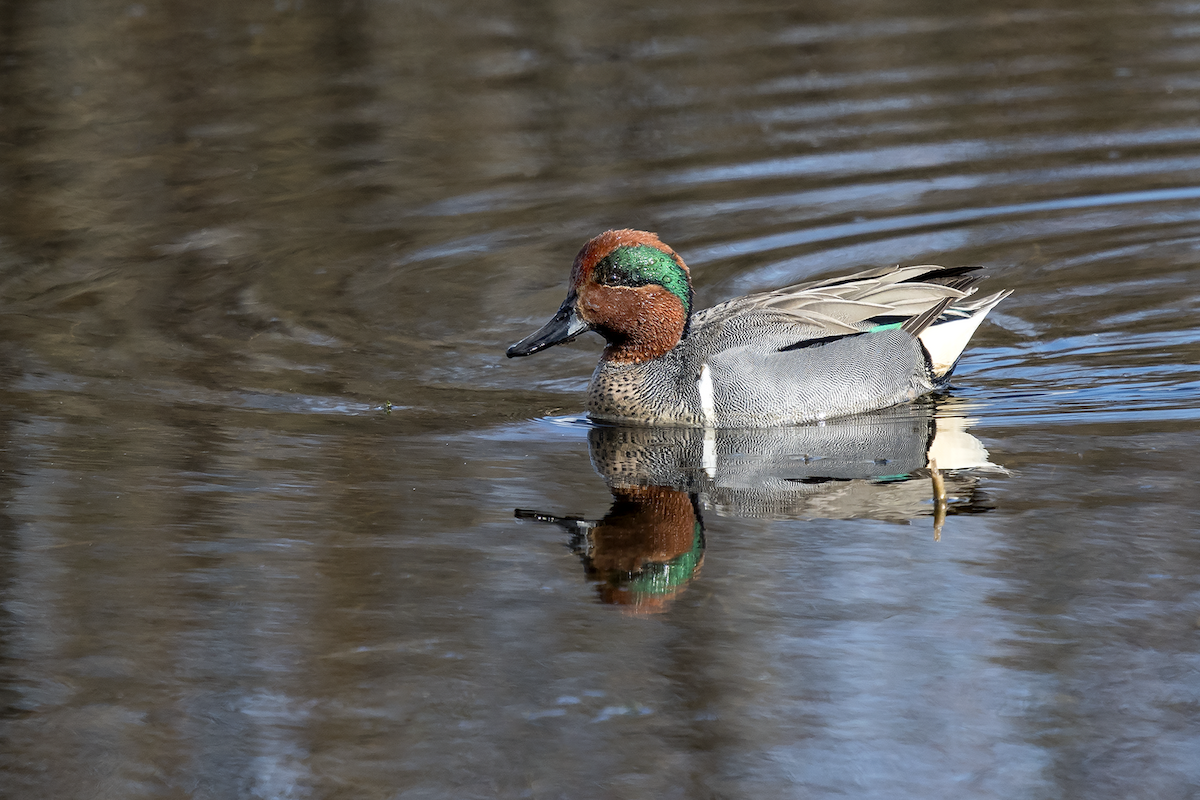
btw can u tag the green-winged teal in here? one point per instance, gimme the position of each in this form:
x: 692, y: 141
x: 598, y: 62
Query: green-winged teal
x: 804, y: 353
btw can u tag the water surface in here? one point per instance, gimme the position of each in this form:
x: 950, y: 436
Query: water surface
x: 279, y: 520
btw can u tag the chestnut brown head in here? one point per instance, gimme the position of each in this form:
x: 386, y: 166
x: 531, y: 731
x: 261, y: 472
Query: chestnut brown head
x: 630, y: 288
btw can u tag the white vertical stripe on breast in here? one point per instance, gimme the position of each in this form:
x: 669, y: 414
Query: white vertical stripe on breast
x: 708, y: 406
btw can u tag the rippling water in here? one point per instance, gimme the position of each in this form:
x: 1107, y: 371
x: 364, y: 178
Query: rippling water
x: 279, y: 520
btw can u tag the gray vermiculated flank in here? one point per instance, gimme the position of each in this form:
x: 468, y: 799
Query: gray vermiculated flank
x: 755, y: 384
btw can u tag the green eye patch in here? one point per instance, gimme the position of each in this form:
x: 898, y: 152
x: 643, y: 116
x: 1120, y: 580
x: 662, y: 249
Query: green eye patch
x: 642, y: 265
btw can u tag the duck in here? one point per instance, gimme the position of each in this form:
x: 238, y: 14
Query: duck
x: 797, y: 355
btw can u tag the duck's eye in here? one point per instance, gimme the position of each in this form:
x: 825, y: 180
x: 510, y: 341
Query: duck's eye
x: 609, y: 273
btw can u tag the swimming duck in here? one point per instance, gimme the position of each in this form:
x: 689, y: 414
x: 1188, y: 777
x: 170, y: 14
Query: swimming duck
x: 795, y: 355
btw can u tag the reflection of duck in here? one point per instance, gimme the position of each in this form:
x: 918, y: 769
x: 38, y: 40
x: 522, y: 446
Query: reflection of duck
x: 645, y: 550
x: 887, y: 465
x: 848, y: 468
x: 800, y: 354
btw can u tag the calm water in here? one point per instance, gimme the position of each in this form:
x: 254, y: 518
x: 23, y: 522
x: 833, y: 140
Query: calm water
x: 278, y: 520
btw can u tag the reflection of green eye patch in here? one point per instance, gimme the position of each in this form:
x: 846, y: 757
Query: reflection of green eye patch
x: 642, y: 265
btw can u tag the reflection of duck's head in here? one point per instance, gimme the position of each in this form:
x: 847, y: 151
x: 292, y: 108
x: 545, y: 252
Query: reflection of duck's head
x: 644, y: 552
x: 647, y: 548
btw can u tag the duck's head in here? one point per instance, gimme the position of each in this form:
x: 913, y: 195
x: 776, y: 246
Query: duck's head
x: 631, y: 289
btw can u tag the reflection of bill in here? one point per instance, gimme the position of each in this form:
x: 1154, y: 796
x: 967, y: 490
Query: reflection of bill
x: 644, y: 552
x: 899, y: 464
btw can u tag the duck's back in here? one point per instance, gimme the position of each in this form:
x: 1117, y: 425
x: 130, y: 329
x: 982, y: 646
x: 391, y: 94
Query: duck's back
x: 804, y: 353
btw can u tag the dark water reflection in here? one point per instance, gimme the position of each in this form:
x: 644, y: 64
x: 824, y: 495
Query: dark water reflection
x: 261, y: 449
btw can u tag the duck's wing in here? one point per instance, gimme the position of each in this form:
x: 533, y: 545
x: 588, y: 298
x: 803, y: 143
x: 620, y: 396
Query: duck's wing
x: 911, y: 296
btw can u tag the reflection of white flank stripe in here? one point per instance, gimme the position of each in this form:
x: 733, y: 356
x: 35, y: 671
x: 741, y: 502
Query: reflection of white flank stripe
x: 708, y: 407
x: 710, y: 452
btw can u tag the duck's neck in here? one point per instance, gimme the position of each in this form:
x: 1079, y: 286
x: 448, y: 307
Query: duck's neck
x: 634, y: 352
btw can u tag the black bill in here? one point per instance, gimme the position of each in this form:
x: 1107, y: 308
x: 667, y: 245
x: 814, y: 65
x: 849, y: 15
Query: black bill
x: 564, y: 326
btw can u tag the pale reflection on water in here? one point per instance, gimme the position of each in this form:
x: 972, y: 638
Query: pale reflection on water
x: 262, y: 450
